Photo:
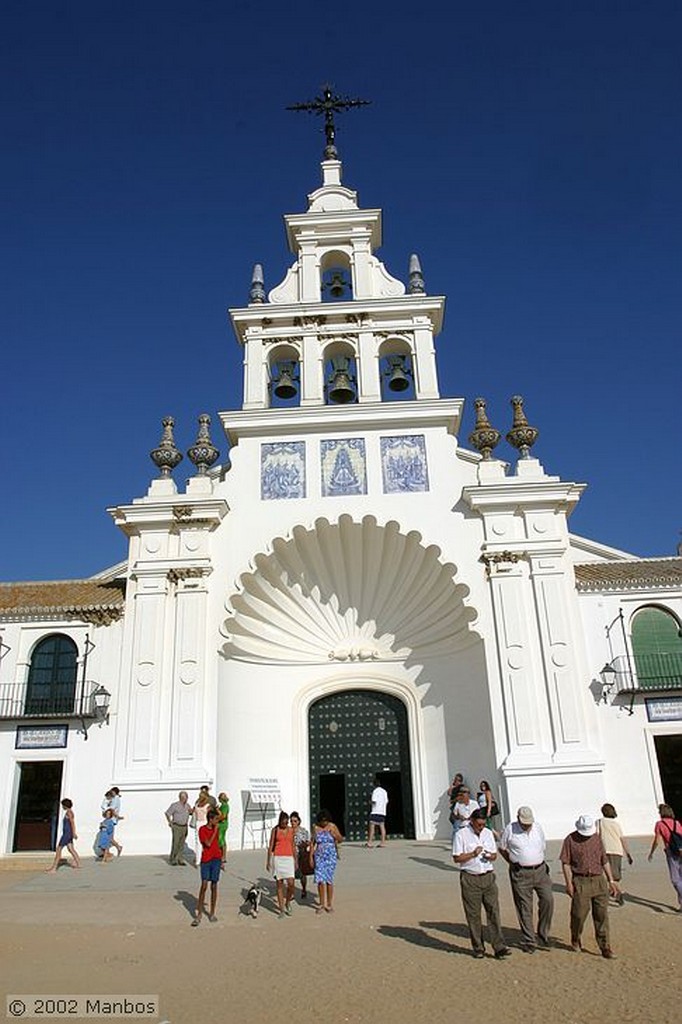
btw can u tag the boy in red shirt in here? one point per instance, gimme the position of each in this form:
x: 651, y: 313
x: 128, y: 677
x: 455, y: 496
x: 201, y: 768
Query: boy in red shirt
x: 211, y: 859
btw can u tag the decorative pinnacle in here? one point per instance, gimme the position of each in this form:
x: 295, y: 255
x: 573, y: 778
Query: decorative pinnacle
x: 257, y: 292
x: 166, y: 457
x: 483, y: 437
x: 203, y: 452
x: 329, y: 104
x: 521, y: 435
x: 416, y: 280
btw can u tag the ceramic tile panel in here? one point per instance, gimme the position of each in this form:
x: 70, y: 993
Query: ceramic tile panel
x: 282, y: 470
x: 403, y: 464
x: 343, y: 467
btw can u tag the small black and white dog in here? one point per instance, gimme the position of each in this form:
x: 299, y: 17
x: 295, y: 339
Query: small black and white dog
x: 253, y: 898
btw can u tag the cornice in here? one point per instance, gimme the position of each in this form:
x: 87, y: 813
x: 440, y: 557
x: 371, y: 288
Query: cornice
x: 177, y: 510
x: 334, y: 317
x: 413, y: 415
x: 512, y: 492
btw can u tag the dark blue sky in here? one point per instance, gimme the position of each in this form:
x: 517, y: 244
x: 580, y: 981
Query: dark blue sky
x: 530, y: 156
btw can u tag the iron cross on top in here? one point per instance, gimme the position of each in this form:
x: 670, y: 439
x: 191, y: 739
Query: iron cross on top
x: 329, y: 104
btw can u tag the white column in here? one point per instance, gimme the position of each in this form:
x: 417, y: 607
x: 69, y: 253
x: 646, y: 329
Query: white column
x: 425, y: 373
x: 312, y: 371
x: 255, y: 391
x: 361, y: 270
x: 369, y: 383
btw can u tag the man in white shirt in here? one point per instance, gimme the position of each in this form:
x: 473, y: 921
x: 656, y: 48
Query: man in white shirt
x: 462, y: 808
x: 377, y: 816
x: 474, y: 850
x: 522, y: 845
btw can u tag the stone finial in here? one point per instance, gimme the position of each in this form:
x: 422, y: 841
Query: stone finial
x: 203, y: 452
x: 483, y: 437
x: 416, y: 279
x: 166, y: 457
x: 521, y: 435
x: 257, y: 292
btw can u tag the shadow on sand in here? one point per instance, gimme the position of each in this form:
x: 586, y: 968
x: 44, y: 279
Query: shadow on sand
x: 430, y: 862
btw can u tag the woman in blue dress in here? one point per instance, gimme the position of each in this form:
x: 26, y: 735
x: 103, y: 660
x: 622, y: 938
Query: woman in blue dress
x: 67, y: 837
x: 326, y: 840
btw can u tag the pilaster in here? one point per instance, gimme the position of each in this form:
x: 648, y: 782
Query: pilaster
x: 164, y: 724
x: 540, y: 646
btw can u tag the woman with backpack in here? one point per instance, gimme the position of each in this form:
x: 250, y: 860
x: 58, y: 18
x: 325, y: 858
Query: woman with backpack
x: 668, y: 831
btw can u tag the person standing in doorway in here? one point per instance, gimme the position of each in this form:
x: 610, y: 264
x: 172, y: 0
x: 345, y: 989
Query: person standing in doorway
x: 177, y: 816
x: 474, y: 850
x: 522, y: 845
x: 377, y: 814
x: 211, y: 860
x: 585, y: 865
x: 668, y: 831
x: 67, y: 838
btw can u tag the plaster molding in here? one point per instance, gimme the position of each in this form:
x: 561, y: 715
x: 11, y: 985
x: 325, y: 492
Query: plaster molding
x: 415, y: 415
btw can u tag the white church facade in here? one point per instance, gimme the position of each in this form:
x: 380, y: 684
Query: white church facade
x: 355, y: 592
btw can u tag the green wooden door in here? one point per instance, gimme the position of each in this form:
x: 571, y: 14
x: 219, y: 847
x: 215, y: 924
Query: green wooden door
x: 353, y: 736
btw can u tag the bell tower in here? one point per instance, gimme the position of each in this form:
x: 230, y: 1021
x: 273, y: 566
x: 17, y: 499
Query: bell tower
x: 339, y: 329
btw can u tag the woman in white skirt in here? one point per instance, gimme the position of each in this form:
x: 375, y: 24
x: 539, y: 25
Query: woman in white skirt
x: 282, y: 861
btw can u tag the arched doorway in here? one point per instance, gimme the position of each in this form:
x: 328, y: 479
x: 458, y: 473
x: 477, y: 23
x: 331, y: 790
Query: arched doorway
x: 353, y: 736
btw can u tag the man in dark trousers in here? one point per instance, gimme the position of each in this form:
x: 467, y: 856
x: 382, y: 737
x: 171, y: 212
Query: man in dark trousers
x: 474, y: 850
x: 588, y: 877
x: 522, y: 845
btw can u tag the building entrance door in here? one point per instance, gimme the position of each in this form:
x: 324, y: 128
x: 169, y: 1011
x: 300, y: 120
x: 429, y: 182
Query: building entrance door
x: 353, y: 736
x: 669, y: 755
x: 37, y: 820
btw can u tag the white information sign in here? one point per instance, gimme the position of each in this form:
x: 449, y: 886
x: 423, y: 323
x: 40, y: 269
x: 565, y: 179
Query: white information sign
x: 265, y: 791
x: 664, y: 709
x: 31, y: 737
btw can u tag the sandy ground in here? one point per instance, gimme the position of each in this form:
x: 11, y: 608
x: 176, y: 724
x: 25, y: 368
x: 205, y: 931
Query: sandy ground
x: 396, y: 949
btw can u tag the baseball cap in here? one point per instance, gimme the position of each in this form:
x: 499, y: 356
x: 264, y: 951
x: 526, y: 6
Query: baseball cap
x: 525, y: 815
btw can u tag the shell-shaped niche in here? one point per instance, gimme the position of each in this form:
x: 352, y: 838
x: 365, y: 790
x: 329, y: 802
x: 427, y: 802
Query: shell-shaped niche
x: 348, y: 591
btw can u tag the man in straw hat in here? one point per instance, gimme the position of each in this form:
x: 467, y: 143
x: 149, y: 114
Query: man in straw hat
x: 588, y: 882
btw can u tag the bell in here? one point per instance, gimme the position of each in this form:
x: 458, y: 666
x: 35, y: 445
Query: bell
x: 337, y: 285
x: 285, y: 387
x: 397, y: 380
x: 340, y: 386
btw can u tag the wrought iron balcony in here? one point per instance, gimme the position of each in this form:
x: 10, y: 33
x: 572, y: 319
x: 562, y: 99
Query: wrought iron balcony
x: 645, y: 672
x: 82, y: 700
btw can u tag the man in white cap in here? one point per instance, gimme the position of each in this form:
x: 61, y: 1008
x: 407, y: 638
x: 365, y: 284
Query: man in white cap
x: 522, y: 845
x: 585, y: 864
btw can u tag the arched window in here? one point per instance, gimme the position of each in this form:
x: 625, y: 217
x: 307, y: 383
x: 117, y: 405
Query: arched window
x: 657, y: 648
x: 52, y: 677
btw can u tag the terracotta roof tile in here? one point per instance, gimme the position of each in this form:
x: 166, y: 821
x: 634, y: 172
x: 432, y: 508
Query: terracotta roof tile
x: 85, y: 599
x: 639, y: 574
